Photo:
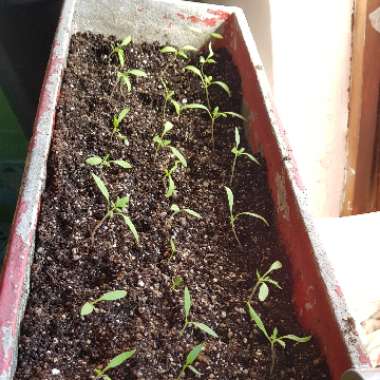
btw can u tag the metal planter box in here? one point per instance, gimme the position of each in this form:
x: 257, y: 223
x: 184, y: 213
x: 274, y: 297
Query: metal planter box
x: 317, y: 297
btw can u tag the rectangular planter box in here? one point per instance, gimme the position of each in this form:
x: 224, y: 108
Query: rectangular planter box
x: 317, y: 297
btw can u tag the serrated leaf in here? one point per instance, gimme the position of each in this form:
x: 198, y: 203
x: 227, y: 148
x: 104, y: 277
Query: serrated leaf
x: 194, y: 70
x: 230, y: 198
x: 252, y: 158
x: 94, y: 160
x: 223, y: 86
x: 275, y: 266
x: 168, y: 49
x: 176, y: 153
x: 194, y: 370
x: 101, y: 186
x: 113, y: 295
x: 296, y: 338
x: 253, y: 215
x: 122, y: 202
x: 256, y: 318
x: 123, y: 164
x: 119, y: 359
x: 131, y: 226
x: 203, y: 327
x: 137, y: 73
x: 168, y: 126
x: 234, y: 114
x: 216, y: 35
x: 192, y: 213
x: 126, y: 41
x: 186, y: 302
x: 263, y: 292
x: 87, y: 309
x: 194, y: 353
x: 171, y: 187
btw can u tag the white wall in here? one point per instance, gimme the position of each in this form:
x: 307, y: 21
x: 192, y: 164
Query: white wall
x: 305, y: 46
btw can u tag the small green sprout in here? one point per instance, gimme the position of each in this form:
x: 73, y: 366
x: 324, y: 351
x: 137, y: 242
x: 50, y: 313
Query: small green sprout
x: 237, y: 152
x: 116, y: 122
x: 274, y: 339
x: 106, y: 162
x: 217, y: 36
x: 207, y: 80
x: 179, y: 108
x: 173, y: 248
x: 176, y: 210
x: 234, y: 217
x: 190, y: 359
x: 182, y: 52
x: 168, y: 96
x: 113, y: 208
x: 125, y: 77
x: 177, y: 282
x: 115, y: 362
x: 119, y: 49
x: 160, y: 140
x: 264, y: 280
x: 187, y: 303
x: 89, y: 306
x: 170, y: 186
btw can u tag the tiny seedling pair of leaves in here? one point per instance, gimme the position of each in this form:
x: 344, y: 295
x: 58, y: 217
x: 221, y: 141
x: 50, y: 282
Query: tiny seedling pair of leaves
x: 177, y: 281
x: 159, y: 140
x: 119, y: 49
x: 173, y: 248
x: 106, y: 162
x: 175, y: 209
x: 273, y: 339
x: 182, y: 52
x: 187, y: 303
x: 116, y: 122
x: 237, y: 152
x: 114, y: 208
x: 113, y: 363
x: 234, y: 217
x: 264, y: 280
x: 170, y: 186
x: 192, y: 356
x: 125, y: 77
x: 89, y: 306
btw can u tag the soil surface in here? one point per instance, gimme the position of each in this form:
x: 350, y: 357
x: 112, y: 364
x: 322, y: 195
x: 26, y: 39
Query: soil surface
x: 68, y: 269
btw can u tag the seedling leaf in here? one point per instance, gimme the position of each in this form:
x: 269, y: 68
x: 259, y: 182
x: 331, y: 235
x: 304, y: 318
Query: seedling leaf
x: 168, y: 126
x: 87, y: 309
x: 263, y: 292
x: 171, y: 187
x: 179, y: 155
x: 252, y: 158
x: 94, y: 160
x: 230, y: 198
x: 196, y: 106
x: 119, y: 359
x: 253, y: 215
x: 131, y: 226
x: 256, y: 318
x: 275, y: 266
x: 224, y: 86
x: 101, y: 186
x: 234, y: 114
x: 194, y: 353
x: 203, y: 327
x: 122, y: 202
x: 237, y: 138
x: 296, y: 338
x: 137, y: 73
x: 126, y: 41
x: 217, y: 36
x: 194, y: 70
x: 113, y: 295
x: 168, y: 49
x: 194, y: 370
x: 123, y: 113
x: 186, y: 302
x: 123, y: 164
x: 192, y: 213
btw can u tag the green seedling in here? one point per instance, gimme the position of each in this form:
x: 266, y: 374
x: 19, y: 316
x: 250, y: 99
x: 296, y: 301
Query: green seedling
x: 115, y: 362
x: 159, y: 140
x: 118, y: 49
x: 170, y: 184
x: 116, y: 208
x: 190, y: 359
x: 187, y: 303
x: 234, y: 217
x: 237, y: 152
x: 177, y: 282
x: 179, y: 108
x: 264, y: 280
x: 116, y: 122
x: 207, y: 80
x: 125, y: 77
x: 182, y: 52
x: 176, y: 210
x: 89, y: 306
x: 106, y: 162
x: 173, y: 248
x: 168, y: 97
x: 217, y: 36
x: 274, y: 339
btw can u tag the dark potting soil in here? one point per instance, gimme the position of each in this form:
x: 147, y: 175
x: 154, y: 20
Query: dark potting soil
x: 68, y: 270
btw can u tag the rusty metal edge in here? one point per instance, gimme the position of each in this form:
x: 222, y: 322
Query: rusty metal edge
x: 14, y: 278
